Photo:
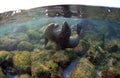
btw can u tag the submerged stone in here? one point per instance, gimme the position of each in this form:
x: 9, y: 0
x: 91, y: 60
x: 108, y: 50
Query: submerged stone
x: 33, y: 35
x: 8, y: 43
x: 22, y: 62
x: 83, y: 69
x: 24, y: 76
x: 24, y: 45
x: 2, y: 74
x: 111, y: 72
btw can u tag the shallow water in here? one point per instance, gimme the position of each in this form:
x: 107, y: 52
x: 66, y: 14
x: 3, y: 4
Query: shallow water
x: 98, y: 26
x: 111, y: 30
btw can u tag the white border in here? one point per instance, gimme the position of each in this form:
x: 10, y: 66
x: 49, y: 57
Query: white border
x: 7, y: 5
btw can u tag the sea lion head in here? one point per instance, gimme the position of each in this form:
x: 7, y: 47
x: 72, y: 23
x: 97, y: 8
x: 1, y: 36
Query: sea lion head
x: 66, y: 29
x: 52, y: 26
x: 49, y: 31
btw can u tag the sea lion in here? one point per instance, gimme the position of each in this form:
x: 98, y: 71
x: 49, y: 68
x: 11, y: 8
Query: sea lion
x: 74, y: 40
x: 66, y: 40
x: 63, y: 39
x: 50, y: 34
x: 64, y: 35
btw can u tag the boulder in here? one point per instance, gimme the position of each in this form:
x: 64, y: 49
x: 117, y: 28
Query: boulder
x: 24, y: 45
x: 8, y: 44
x: 83, y: 69
x: 2, y: 74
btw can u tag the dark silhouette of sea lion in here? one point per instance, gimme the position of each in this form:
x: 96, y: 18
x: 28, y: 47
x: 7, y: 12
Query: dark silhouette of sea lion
x: 66, y: 40
x: 64, y: 35
x: 63, y: 39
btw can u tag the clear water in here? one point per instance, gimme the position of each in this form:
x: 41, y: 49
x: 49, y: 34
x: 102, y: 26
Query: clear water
x: 110, y: 30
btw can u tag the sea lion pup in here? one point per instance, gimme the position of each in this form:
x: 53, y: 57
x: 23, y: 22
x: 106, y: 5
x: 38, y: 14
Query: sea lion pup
x: 63, y: 36
x: 50, y: 34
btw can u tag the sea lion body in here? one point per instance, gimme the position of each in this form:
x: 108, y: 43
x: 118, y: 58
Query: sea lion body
x: 63, y: 36
x: 50, y: 34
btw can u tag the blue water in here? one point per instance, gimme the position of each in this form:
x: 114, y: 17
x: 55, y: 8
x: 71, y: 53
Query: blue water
x: 100, y: 26
x: 90, y: 26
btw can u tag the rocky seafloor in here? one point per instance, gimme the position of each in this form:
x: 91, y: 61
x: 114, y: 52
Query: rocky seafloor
x: 23, y: 55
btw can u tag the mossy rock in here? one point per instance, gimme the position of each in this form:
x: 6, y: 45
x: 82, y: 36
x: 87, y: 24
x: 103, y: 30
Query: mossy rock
x: 2, y: 74
x: 24, y: 76
x: 82, y: 47
x: 112, y: 46
x: 53, y: 68
x: 116, y: 55
x: 41, y: 56
x: 8, y: 44
x: 24, y: 45
x: 83, y: 69
x: 33, y: 35
x: 60, y: 57
x: 5, y: 56
x: 110, y: 72
x: 22, y: 61
x: 96, y: 53
x: 95, y: 39
x: 70, y: 54
x: 50, y: 45
x: 44, y: 64
x: 38, y: 66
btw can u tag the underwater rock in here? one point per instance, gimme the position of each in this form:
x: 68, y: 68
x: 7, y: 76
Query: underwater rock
x: 61, y: 58
x: 2, y: 74
x: 39, y: 70
x: 111, y: 72
x: 24, y: 45
x: 116, y: 55
x: 19, y: 36
x: 83, y: 69
x: 22, y: 62
x: 6, y: 59
x: 82, y: 48
x: 50, y: 64
x: 95, y: 54
x: 33, y: 35
x: 112, y: 46
x: 8, y: 44
x: 20, y: 29
x: 24, y: 76
x: 5, y: 56
x: 115, y: 61
x: 43, y: 65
